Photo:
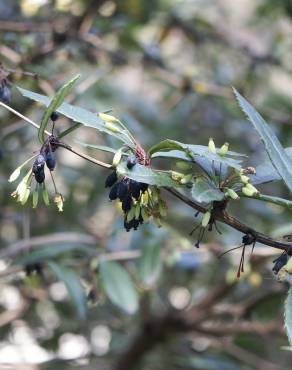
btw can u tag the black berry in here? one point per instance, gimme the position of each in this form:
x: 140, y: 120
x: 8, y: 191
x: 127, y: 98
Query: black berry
x: 54, y: 116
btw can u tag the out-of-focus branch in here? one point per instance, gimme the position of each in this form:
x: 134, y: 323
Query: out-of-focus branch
x: 14, y: 249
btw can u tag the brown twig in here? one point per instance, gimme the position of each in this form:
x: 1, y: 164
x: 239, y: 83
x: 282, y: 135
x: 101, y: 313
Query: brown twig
x: 221, y: 216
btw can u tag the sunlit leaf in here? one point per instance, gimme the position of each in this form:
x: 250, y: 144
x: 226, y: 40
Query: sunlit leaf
x: 193, y: 152
x: 73, y: 285
x: 119, y: 286
x: 276, y: 152
x: 147, y: 175
x: 79, y: 115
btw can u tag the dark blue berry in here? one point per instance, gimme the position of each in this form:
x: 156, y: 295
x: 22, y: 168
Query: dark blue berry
x: 111, y: 179
x: 51, y: 160
x: 131, y: 161
x: 127, y: 203
x: 39, y: 161
x: 40, y: 175
x: 122, y: 190
x: 143, y: 187
x: 135, y: 189
x: 113, y: 194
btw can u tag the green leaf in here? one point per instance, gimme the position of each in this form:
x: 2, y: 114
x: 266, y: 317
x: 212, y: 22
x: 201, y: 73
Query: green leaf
x: 147, y: 175
x: 288, y: 315
x: 276, y: 152
x: 79, y: 115
x: 50, y: 252
x: 165, y: 145
x: 73, y: 285
x: 205, y: 192
x: 194, y: 151
x: 119, y: 286
x: 150, y: 264
x: 56, y: 101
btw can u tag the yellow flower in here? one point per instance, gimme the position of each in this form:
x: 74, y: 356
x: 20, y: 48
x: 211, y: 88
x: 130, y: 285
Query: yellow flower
x: 59, y: 200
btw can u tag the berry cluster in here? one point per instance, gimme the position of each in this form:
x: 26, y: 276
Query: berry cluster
x: 46, y: 156
x: 129, y: 192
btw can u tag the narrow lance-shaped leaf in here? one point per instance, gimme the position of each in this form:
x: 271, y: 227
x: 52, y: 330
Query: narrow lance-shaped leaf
x: 54, y: 105
x: 73, y: 285
x: 79, y: 115
x: 119, y: 286
x: 275, y: 150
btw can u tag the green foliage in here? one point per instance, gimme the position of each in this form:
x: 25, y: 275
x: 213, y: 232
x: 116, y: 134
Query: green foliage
x: 205, y: 192
x: 147, y: 175
x: 119, y: 286
x: 73, y: 285
x: 51, y: 252
x: 79, y: 115
x: 150, y: 265
x: 194, y: 151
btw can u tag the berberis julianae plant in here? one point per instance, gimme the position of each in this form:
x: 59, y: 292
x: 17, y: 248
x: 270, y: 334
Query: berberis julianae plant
x: 209, y: 178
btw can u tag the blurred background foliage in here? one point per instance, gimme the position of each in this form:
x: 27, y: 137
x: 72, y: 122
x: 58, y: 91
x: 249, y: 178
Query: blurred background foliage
x: 166, y: 68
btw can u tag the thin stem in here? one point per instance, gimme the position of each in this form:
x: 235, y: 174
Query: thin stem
x: 22, y: 116
x: 84, y: 156
x: 53, y: 180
